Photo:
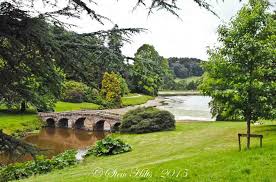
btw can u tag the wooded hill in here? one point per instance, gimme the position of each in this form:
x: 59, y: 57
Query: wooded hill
x: 185, y: 67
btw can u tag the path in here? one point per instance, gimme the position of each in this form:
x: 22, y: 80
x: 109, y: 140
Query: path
x: 151, y: 103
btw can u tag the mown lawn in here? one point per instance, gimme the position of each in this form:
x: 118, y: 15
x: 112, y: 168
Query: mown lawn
x: 67, y: 106
x: 12, y: 122
x: 135, y: 99
x: 204, y: 151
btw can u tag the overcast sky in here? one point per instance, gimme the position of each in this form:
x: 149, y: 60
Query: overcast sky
x: 170, y: 36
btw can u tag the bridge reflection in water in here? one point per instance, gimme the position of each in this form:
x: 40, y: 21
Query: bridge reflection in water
x: 57, y: 140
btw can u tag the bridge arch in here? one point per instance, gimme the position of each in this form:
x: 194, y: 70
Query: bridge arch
x: 50, y: 122
x: 115, y: 127
x: 79, y: 123
x: 101, y: 125
x: 63, y: 123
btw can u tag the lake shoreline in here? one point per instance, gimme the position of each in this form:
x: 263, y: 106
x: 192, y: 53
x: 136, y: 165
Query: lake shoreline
x: 179, y: 93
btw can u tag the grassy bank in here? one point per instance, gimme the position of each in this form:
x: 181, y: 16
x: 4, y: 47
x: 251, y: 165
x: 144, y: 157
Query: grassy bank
x: 12, y: 122
x: 135, y: 99
x: 206, y: 151
x: 178, y: 93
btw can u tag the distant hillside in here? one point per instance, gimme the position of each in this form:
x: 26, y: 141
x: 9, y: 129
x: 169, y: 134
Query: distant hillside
x: 185, y: 67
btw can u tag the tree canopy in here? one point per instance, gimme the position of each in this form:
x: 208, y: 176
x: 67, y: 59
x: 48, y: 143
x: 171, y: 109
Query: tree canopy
x: 186, y: 67
x: 150, y: 70
x: 240, y: 74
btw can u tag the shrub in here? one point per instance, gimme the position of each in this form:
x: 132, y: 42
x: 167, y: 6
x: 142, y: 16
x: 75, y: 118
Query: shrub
x: 40, y: 166
x: 144, y: 120
x: 74, y: 92
x: 65, y: 159
x: 181, y: 85
x: 109, y: 146
x: 111, y: 89
x: 192, y: 85
x: 92, y: 95
x: 123, y: 86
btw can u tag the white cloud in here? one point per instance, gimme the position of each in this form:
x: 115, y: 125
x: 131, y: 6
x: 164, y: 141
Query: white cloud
x: 171, y: 36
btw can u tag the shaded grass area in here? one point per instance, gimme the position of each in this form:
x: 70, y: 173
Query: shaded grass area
x: 135, y: 99
x: 206, y: 151
x: 67, y: 106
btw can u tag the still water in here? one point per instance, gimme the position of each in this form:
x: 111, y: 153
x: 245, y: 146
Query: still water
x: 190, y: 108
x: 57, y: 140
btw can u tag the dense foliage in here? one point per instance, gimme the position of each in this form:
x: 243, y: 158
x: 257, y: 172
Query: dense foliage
x: 150, y: 70
x: 111, y: 88
x: 27, y: 60
x: 74, y: 92
x: 36, y: 56
x: 184, y: 84
x: 40, y: 166
x: 185, y: 67
x: 108, y: 146
x: 147, y: 119
x: 240, y: 74
x: 124, y: 86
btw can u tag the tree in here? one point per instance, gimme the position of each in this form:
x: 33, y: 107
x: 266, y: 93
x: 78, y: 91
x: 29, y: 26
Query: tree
x: 240, y: 74
x: 28, y: 71
x: 34, y: 55
x: 186, y: 67
x: 74, y: 92
x: 148, y: 73
x: 75, y: 8
x: 111, y: 89
x: 168, y: 76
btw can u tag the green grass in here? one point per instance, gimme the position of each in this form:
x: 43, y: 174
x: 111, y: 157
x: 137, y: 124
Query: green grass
x: 135, y: 99
x: 67, y: 106
x: 129, y: 100
x: 189, y: 79
x: 208, y: 150
x: 12, y: 122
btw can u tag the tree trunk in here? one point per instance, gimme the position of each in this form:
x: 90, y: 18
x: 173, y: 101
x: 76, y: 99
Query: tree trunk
x: 248, y: 133
x: 23, y: 106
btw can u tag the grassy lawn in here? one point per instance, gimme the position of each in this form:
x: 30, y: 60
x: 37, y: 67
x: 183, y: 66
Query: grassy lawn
x: 189, y: 79
x: 12, y: 122
x: 67, y: 106
x: 135, y: 99
x: 207, y: 151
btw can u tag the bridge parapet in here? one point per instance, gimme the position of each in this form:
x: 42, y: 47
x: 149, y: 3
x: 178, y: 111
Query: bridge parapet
x: 88, y: 120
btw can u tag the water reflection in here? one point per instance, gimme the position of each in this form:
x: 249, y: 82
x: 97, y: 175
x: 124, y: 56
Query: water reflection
x: 57, y: 140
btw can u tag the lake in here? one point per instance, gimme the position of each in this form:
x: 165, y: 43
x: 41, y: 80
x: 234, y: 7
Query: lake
x: 190, y: 108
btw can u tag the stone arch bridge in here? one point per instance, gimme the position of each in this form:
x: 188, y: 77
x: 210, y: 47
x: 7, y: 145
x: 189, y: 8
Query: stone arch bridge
x: 87, y: 120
